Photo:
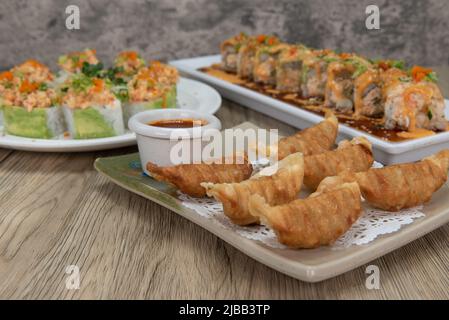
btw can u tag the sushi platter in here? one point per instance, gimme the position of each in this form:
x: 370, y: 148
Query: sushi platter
x: 86, y: 106
x: 191, y: 95
x: 386, y: 152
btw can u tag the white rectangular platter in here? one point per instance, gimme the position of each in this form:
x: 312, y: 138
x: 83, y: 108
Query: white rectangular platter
x: 384, y: 151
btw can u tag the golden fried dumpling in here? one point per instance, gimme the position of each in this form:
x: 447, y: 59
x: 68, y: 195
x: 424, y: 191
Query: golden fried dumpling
x: 399, y: 186
x: 355, y: 155
x: 188, y: 177
x: 312, y: 222
x: 317, y: 139
x: 277, y: 188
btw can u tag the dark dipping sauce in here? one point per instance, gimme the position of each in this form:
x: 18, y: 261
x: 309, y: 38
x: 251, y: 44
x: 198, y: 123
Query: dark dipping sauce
x: 178, y: 123
x: 373, y: 126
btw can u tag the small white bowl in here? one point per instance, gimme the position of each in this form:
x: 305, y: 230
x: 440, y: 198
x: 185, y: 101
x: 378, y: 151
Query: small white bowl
x: 155, y: 143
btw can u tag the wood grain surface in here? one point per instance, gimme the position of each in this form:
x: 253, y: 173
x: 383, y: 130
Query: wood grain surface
x: 56, y: 211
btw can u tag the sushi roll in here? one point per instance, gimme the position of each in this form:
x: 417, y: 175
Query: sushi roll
x: 247, y: 54
x: 314, y: 72
x: 368, y: 94
x: 75, y: 61
x: 289, y: 67
x: 30, y: 110
x: 265, y: 62
x: 369, y: 82
x: 90, y: 108
x: 339, y: 93
x: 153, y: 87
x: 414, y: 102
x: 229, y: 51
x: 127, y: 64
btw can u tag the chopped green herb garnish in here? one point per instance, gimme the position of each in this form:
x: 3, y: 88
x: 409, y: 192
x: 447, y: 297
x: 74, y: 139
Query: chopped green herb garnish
x: 237, y: 47
x: 429, y: 114
x: 121, y: 94
x: 112, y: 75
x: 360, y: 66
x: 432, y: 77
x: 360, y: 69
x: 92, y: 70
x: 81, y: 82
x: 329, y: 59
x: 43, y: 86
x: 399, y: 64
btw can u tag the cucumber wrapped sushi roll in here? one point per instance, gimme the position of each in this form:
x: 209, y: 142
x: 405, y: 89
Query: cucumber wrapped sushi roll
x: 289, y: 67
x: 153, y: 87
x: 314, y: 72
x: 229, y: 51
x: 91, y: 110
x: 31, y: 111
x: 126, y: 65
x: 265, y: 63
x: 74, y: 62
x: 413, y: 102
x: 247, y: 54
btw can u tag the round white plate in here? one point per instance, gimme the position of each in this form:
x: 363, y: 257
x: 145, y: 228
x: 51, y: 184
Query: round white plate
x: 192, y: 95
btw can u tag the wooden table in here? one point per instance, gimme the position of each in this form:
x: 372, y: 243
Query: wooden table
x: 56, y: 211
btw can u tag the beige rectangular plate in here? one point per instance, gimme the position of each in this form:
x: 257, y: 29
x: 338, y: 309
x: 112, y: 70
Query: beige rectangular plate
x: 307, y: 265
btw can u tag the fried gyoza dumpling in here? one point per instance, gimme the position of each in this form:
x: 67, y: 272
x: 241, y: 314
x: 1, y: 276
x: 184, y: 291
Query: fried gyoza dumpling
x: 312, y: 222
x: 317, y: 139
x: 400, y: 186
x: 354, y: 155
x: 280, y: 187
x: 188, y: 177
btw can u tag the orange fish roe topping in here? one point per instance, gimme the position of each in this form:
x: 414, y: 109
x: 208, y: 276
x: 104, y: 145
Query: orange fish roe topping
x: 261, y: 38
x: 271, y: 41
x: 27, y: 86
x: 131, y: 55
x: 419, y: 73
x: 98, y: 85
x: 146, y: 75
x: 6, y: 75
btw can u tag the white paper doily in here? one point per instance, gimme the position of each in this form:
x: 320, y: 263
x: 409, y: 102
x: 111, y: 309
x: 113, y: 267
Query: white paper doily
x: 368, y: 227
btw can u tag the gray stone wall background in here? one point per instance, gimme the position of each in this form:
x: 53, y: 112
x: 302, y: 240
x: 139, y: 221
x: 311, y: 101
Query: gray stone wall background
x: 415, y: 30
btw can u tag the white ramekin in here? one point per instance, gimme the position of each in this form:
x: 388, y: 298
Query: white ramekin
x: 155, y: 143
